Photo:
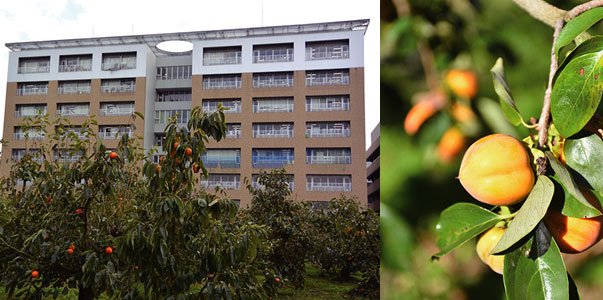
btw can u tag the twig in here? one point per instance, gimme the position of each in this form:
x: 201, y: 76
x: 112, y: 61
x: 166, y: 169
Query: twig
x: 574, y: 12
x: 541, y: 10
x: 428, y: 63
x: 17, y: 250
x: 546, y: 105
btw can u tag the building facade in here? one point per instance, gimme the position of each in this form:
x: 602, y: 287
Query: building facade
x: 373, y: 165
x: 295, y: 99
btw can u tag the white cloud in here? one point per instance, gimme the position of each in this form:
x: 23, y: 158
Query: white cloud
x: 29, y: 20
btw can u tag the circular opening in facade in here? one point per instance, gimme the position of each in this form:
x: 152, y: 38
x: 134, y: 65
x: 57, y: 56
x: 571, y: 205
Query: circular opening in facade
x: 175, y: 46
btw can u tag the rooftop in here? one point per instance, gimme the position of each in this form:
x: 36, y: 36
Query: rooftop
x: 153, y: 39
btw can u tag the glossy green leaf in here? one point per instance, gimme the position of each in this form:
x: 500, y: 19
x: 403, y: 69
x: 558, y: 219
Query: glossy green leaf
x: 504, y: 93
x: 585, y: 155
x: 578, y: 87
x: 576, y: 26
x: 530, y: 213
x: 569, y: 186
x: 460, y: 223
x: 536, y: 270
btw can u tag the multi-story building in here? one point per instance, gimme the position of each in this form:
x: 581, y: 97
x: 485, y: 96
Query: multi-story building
x: 295, y: 98
x: 373, y: 163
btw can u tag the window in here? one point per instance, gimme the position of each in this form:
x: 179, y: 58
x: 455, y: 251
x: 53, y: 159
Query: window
x: 118, y: 85
x: 163, y: 116
x: 327, y: 77
x: 234, y: 130
x: 18, y: 154
x: 114, y: 131
x: 159, y: 138
x: 174, y: 72
x: 119, y: 61
x: 32, y: 88
x: 338, y: 183
x: 218, y: 82
x: 211, y: 105
x: 226, y: 181
x: 328, y: 156
x: 272, y: 53
x: 68, y: 156
x: 257, y: 185
x: 75, y: 63
x: 34, y: 65
x: 173, y: 96
x: 67, y: 132
x: 29, y: 110
x: 273, y: 104
x: 327, y: 103
x: 327, y: 129
x: 73, y: 109
x: 33, y: 133
x: 116, y: 108
x: 74, y: 87
x: 222, y: 158
x: 273, y: 130
x: 327, y: 50
x: 272, y: 158
x: 222, y: 56
x: 274, y: 79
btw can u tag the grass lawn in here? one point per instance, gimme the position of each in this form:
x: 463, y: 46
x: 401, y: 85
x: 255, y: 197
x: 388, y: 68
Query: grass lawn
x: 316, y: 287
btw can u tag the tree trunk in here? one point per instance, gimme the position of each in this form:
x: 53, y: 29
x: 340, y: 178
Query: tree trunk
x: 85, y: 293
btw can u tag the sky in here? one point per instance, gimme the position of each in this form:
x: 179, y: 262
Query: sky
x: 35, y: 20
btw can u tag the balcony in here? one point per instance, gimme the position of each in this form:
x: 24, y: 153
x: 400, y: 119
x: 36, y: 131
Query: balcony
x: 333, y: 106
x: 75, y: 68
x: 111, y: 66
x: 74, y: 90
x: 219, y: 83
x: 327, y: 78
x: 232, y: 107
x: 32, y: 91
x: 117, y: 111
x: 327, y: 133
x: 114, y: 135
x: 228, y: 185
x: 233, y: 134
x: 18, y: 136
x: 318, y: 160
x: 272, y: 80
x: 23, y: 114
x: 67, y: 159
x: 72, y: 112
x: 118, y: 89
x: 33, y: 69
x: 272, y: 57
x: 329, y: 187
x: 271, y: 162
x: 280, y: 133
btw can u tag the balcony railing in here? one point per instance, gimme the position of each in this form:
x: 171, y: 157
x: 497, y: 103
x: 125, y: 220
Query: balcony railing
x: 330, y: 187
x: 22, y: 114
x: 79, y: 134
x: 114, y: 135
x: 284, y: 133
x: 329, y: 80
x: 229, y: 185
x: 233, y: 134
x: 231, y: 109
x: 328, y: 160
x: 32, y: 136
x: 259, y: 83
x: 224, y: 84
x: 326, y: 107
x: 67, y: 158
x: 328, y: 133
x: 117, y: 111
x: 72, y: 113
x: 269, y: 58
x: 223, y: 163
x: 37, y: 159
x: 34, y: 69
x: 75, y: 68
x: 118, y: 89
x: 259, y: 186
x: 222, y: 60
x: 258, y: 108
x: 118, y: 66
x: 269, y: 162
x: 32, y: 91
x: 74, y: 90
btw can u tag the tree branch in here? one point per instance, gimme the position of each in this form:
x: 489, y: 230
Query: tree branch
x: 541, y: 10
x: 16, y: 250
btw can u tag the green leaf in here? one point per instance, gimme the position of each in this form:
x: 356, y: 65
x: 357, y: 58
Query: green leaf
x: 530, y: 213
x: 576, y: 26
x: 139, y: 114
x: 572, y: 210
x: 585, y: 155
x: 536, y: 270
x: 578, y: 87
x: 504, y: 93
x: 460, y: 223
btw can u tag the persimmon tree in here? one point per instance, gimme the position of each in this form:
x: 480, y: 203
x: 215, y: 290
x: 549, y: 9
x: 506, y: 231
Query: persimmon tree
x: 112, y: 221
x: 544, y: 193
